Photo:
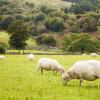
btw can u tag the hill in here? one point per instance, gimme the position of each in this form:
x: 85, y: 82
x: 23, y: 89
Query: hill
x: 4, y: 38
x: 53, y: 3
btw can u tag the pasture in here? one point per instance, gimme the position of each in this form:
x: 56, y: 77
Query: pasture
x: 53, y: 3
x: 19, y: 80
x: 4, y: 38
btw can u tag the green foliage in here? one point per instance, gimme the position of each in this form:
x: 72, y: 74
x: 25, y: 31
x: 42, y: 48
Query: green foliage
x: 47, y: 40
x: 75, y: 28
x: 68, y: 39
x: 55, y: 24
x: 5, y: 22
x: 85, y: 6
x: 18, y: 32
x: 39, y: 40
x: 80, y: 43
x: 88, y: 24
x: 39, y: 17
x: 2, y: 48
x: 46, y: 10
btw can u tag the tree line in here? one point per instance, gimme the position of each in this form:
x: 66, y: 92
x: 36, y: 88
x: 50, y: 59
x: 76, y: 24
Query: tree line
x: 23, y: 20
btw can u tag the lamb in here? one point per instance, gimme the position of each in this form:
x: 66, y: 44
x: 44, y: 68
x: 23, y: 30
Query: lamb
x: 31, y: 57
x: 2, y: 57
x: 83, y: 70
x: 93, y: 54
x: 49, y: 65
x: 84, y: 54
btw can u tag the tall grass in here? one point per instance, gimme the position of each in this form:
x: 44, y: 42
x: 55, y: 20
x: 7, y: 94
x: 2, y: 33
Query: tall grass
x: 19, y: 80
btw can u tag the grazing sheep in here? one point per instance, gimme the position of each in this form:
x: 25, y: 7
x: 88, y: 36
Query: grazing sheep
x: 2, y: 57
x: 83, y: 70
x: 93, y: 54
x: 84, y: 54
x: 49, y: 65
x: 31, y: 57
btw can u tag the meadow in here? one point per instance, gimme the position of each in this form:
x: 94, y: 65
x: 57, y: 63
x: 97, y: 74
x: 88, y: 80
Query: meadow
x: 51, y: 3
x: 4, y: 38
x: 19, y: 80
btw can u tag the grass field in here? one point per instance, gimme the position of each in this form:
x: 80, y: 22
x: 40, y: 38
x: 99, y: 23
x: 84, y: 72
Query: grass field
x: 53, y: 3
x: 20, y: 81
x: 4, y: 38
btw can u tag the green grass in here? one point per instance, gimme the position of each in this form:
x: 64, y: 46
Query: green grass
x: 4, y: 38
x: 53, y: 3
x: 20, y: 81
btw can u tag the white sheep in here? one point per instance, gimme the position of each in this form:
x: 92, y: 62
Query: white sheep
x: 93, y: 54
x: 49, y: 65
x: 31, y: 57
x: 83, y: 70
x: 2, y: 57
x: 84, y: 54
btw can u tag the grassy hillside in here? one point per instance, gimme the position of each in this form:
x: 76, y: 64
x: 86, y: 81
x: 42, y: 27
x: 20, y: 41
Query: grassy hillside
x: 4, y: 38
x: 53, y: 3
x: 19, y: 80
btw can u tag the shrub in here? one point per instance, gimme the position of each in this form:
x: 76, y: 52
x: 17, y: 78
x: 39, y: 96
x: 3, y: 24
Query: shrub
x: 47, y: 40
x: 40, y: 17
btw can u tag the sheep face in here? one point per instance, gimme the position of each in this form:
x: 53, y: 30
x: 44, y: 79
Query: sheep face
x: 61, y: 70
x: 65, y: 78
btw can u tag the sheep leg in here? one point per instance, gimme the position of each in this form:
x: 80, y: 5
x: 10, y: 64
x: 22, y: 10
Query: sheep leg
x: 81, y: 81
x: 41, y: 71
x: 56, y: 72
x: 53, y: 71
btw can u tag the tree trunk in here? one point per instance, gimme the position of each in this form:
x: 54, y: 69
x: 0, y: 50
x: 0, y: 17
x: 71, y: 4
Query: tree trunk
x: 82, y: 50
x: 23, y: 52
x: 19, y: 51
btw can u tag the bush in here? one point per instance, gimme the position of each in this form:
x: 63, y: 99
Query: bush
x: 40, y: 17
x: 56, y: 25
x: 47, y: 40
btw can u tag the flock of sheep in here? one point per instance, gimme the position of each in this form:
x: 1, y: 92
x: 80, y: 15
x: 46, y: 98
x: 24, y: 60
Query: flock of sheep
x: 81, y: 70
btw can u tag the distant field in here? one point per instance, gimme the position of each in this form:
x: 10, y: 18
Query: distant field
x: 4, y: 38
x: 53, y: 3
x: 19, y: 80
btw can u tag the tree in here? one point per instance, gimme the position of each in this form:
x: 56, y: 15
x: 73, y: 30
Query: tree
x: 18, y: 32
x: 82, y: 43
x: 56, y: 24
x: 5, y: 22
x: 40, y: 17
x: 87, y: 24
x: 2, y: 49
x: 47, y: 40
x: 68, y: 39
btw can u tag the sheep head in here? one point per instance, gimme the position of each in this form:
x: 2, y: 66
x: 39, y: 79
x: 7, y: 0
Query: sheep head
x: 65, y: 77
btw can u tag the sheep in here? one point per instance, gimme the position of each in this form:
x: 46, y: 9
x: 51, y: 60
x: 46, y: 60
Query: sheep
x: 93, y: 54
x: 49, y: 65
x: 83, y: 70
x: 31, y: 57
x: 2, y: 57
x: 84, y: 54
